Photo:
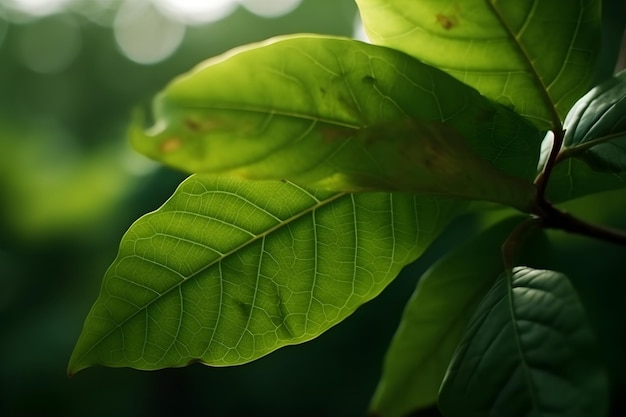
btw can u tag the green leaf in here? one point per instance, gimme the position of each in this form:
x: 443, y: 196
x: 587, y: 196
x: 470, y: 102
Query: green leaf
x: 229, y: 270
x: 595, y: 135
x: 342, y: 115
x: 572, y: 178
x: 537, y: 56
x: 528, y: 351
x: 433, y: 322
x: 596, y: 126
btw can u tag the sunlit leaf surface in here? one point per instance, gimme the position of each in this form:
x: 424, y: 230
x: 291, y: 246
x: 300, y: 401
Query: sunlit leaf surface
x: 527, y: 351
x: 228, y: 270
x: 342, y: 115
x: 433, y: 322
x: 536, y: 56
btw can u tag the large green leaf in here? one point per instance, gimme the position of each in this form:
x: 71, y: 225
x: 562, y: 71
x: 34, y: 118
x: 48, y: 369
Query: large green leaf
x: 537, y: 56
x: 595, y: 132
x: 229, y: 270
x: 528, y: 351
x: 342, y: 115
x: 433, y: 322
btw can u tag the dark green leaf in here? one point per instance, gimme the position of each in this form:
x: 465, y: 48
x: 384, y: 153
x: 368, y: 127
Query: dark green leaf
x: 596, y: 126
x: 228, y: 270
x: 528, y: 351
x: 342, y: 115
x: 537, y: 56
x: 433, y: 322
x: 572, y: 178
x: 596, y: 134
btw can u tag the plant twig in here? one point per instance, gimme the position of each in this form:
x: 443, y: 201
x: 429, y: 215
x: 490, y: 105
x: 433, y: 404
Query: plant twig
x: 575, y: 150
x: 516, y: 239
x: 554, y: 218
x: 544, y: 176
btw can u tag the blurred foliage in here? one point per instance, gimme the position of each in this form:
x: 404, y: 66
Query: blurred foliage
x: 70, y: 186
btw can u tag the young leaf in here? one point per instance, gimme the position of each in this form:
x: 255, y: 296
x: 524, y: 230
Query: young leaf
x: 536, y: 56
x: 527, y: 351
x: 342, y: 115
x: 595, y: 128
x: 595, y: 132
x: 228, y: 270
x: 433, y: 323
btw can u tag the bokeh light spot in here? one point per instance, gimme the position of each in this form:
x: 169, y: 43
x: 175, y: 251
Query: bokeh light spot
x: 193, y: 12
x: 144, y: 35
x: 50, y: 45
x: 38, y: 7
x: 273, y: 8
x: 100, y: 12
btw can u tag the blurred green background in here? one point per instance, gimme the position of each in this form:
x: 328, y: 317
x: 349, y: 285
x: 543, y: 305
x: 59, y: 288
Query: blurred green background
x: 71, y: 72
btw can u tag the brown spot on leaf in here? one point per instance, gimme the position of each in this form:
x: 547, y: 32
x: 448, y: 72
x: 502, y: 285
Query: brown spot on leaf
x: 333, y: 134
x: 170, y: 145
x: 203, y: 125
x: 192, y: 124
x: 447, y: 21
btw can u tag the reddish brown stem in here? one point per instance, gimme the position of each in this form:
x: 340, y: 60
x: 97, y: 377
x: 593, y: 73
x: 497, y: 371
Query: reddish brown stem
x: 542, y: 179
x: 557, y: 219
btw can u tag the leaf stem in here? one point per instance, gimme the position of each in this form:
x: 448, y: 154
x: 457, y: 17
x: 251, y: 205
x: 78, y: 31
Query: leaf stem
x: 554, y: 218
x: 542, y: 179
x: 512, y: 244
x: 574, y: 150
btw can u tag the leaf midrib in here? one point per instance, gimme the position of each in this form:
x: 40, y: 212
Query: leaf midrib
x: 510, y: 287
x: 266, y: 111
x: 319, y: 203
x: 542, y: 88
x: 555, y: 119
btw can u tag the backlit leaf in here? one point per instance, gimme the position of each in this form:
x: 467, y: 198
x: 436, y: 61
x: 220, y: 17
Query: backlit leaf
x: 538, y: 57
x: 528, y: 351
x: 342, y: 115
x: 229, y: 270
x: 434, y: 320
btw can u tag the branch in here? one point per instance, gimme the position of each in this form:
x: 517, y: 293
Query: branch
x: 553, y: 218
x: 516, y: 239
x: 542, y: 179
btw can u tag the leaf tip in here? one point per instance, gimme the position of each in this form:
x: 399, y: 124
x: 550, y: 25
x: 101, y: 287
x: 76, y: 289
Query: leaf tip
x: 73, y: 369
x: 142, y: 137
x: 77, y: 361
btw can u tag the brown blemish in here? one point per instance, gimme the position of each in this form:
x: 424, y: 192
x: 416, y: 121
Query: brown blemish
x: 330, y: 135
x: 192, y: 124
x: 202, y: 125
x: 170, y: 145
x: 447, y: 22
